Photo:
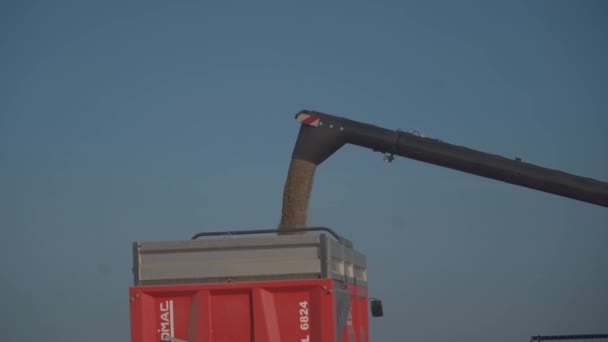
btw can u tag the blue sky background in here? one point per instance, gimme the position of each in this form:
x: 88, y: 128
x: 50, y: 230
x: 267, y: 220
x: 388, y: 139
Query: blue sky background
x: 124, y: 121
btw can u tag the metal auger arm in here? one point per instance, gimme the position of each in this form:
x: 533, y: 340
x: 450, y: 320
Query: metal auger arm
x: 323, y: 134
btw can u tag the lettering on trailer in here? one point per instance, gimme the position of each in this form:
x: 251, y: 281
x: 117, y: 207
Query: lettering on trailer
x: 166, y: 330
x: 304, y: 321
x: 349, y: 318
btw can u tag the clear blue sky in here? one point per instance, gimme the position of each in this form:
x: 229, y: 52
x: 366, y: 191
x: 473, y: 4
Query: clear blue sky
x: 124, y: 121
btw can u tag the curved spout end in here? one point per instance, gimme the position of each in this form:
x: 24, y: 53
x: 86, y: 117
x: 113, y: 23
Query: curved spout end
x: 318, y: 138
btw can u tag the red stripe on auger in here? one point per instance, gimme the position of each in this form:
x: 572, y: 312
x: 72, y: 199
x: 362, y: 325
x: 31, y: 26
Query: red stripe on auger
x: 310, y: 120
x: 307, y: 119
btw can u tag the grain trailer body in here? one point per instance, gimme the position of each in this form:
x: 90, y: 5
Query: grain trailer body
x: 300, y: 288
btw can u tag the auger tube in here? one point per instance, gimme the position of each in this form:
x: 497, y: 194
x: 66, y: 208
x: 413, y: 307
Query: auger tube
x: 323, y: 134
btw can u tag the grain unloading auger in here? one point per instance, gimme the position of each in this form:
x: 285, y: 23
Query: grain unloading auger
x: 323, y: 134
x: 303, y: 284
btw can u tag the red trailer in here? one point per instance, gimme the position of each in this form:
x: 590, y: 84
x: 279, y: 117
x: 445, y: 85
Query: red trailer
x: 275, y: 311
x: 301, y: 288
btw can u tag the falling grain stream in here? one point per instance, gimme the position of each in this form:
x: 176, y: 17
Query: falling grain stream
x: 296, y: 195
